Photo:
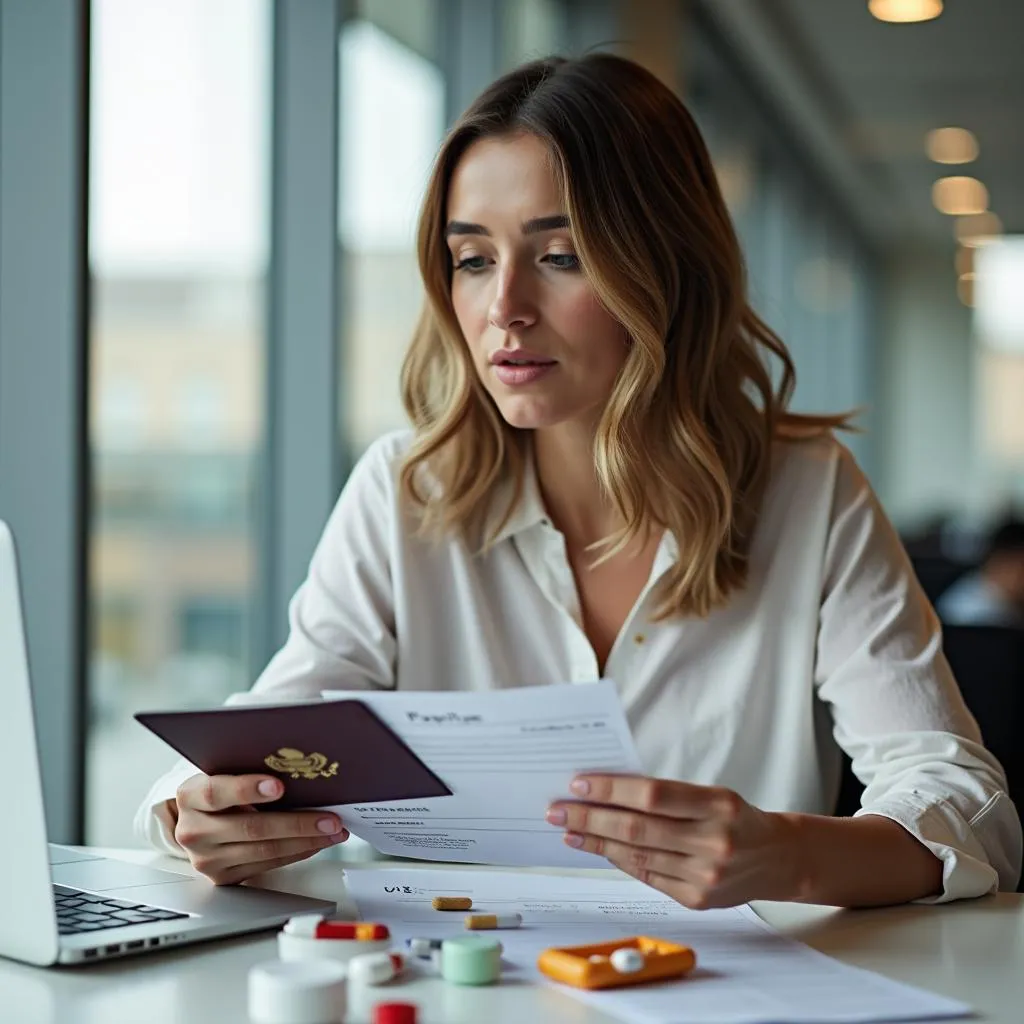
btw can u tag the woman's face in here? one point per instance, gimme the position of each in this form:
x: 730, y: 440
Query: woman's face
x: 544, y: 346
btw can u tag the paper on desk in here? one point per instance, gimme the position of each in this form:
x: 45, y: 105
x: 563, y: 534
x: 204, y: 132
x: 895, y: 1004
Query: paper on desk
x: 747, y: 973
x: 505, y: 754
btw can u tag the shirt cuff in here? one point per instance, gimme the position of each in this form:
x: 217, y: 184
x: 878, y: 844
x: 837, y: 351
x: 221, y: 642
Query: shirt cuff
x: 154, y: 823
x: 978, y: 857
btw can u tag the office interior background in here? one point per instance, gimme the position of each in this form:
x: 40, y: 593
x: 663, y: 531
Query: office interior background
x: 207, y: 282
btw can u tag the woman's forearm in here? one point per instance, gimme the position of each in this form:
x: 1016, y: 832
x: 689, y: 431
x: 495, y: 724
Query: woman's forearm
x: 859, y: 862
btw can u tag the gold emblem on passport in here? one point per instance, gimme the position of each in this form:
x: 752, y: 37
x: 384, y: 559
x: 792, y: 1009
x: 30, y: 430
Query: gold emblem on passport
x: 299, y: 765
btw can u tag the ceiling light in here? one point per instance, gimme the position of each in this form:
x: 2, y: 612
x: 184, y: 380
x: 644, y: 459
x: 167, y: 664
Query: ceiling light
x: 903, y: 11
x: 978, y: 229
x: 959, y: 195
x: 965, y: 289
x: 951, y: 146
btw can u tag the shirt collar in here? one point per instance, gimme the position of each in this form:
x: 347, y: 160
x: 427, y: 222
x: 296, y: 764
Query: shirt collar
x: 529, y: 511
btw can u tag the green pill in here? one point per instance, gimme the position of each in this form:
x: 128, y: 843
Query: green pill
x: 471, y: 960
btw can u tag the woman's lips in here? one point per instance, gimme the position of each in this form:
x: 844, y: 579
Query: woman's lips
x: 517, y: 374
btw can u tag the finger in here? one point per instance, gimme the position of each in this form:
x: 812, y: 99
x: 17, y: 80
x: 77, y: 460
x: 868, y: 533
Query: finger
x: 223, y: 861
x: 262, y: 826
x: 681, y: 890
x: 243, y: 872
x: 692, y: 881
x: 658, y: 796
x: 693, y: 897
x: 637, y: 861
x: 631, y: 827
x: 213, y: 793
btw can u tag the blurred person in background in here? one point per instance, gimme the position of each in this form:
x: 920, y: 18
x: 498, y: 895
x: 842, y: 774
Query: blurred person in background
x: 993, y: 594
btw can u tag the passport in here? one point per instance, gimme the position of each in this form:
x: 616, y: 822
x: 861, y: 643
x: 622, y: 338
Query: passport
x: 325, y: 752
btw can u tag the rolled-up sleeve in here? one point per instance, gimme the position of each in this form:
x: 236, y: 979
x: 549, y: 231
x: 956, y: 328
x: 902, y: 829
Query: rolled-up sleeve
x: 897, y: 709
x: 341, y: 622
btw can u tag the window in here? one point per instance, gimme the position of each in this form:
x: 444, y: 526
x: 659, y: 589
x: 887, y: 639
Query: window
x: 177, y: 249
x: 388, y: 78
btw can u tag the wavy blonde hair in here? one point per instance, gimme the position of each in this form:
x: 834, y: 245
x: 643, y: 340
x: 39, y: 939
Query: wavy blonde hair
x: 684, y: 442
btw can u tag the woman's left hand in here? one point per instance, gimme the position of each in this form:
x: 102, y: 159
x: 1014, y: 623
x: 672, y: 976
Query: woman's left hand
x: 702, y: 845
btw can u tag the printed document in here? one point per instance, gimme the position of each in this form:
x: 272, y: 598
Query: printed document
x: 746, y: 972
x: 505, y: 755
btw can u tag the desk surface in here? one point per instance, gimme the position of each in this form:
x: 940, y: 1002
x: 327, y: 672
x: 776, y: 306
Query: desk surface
x: 972, y: 951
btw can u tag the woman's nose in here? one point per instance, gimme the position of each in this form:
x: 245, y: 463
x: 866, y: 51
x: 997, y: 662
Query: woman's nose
x: 511, y: 307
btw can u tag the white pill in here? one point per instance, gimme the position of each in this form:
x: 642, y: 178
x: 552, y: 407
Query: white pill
x: 422, y: 947
x: 597, y: 958
x: 374, y: 968
x: 627, y: 960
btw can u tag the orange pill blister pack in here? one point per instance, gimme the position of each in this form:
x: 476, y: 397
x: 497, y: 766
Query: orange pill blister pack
x: 632, y: 961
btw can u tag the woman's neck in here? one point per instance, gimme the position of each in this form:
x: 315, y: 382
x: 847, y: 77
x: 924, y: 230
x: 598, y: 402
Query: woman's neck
x: 564, y: 461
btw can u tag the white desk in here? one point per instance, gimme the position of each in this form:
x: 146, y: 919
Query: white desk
x: 972, y: 951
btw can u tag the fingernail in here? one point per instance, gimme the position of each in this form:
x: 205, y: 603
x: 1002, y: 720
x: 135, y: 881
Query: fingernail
x: 329, y: 825
x: 580, y: 787
x: 571, y: 839
x: 555, y: 816
x: 268, y: 787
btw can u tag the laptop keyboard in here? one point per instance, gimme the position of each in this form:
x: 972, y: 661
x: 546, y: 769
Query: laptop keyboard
x: 89, y: 912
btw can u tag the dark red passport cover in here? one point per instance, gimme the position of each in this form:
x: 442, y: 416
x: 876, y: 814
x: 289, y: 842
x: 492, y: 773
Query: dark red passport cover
x: 325, y: 752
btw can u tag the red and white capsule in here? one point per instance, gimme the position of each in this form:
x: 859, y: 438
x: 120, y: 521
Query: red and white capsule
x: 315, y: 926
x: 375, y: 968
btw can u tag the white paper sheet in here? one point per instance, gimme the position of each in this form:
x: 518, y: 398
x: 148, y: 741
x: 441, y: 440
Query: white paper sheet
x: 747, y: 973
x: 505, y: 755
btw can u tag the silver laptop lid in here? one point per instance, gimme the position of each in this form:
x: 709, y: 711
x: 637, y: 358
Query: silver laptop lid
x: 28, y: 925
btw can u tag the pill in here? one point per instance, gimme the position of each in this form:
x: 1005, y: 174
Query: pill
x: 471, y: 960
x: 313, y: 926
x: 627, y: 960
x: 476, y: 922
x: 375, y: 968
x: 597, y: 959
x: 423, y: 947
x: 451, y: 903
x: 394, y: 1013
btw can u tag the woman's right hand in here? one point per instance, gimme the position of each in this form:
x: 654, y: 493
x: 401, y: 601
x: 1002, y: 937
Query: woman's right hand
x: 228, y: 840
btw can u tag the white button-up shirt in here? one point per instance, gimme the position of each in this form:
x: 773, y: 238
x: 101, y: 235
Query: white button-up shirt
x: 831, y: 644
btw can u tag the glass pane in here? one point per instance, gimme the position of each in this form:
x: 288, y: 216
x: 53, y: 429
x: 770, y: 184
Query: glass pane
x: 178, y: 245
x: 389, y: 76
x: 531, y: 29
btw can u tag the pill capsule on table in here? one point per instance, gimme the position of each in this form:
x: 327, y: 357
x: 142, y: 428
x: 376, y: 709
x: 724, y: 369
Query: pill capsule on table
x: 313, y: 926
x: 423, y: 947
x: 375, y: 968
x: 451, y: 903
x: 478, y: 922
x: 627, y: 960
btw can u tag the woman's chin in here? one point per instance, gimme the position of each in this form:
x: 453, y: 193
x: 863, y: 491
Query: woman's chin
x: 528, y: 419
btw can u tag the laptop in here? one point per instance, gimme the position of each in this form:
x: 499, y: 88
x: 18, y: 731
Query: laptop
x: 64, y: 906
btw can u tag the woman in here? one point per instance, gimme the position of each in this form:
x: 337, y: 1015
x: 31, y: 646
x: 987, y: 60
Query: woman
x: 602, y: 481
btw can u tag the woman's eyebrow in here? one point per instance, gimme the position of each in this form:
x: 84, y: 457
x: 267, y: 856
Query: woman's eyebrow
x: 462, y: 227
x: 553, y: 223
x: 529, y: 227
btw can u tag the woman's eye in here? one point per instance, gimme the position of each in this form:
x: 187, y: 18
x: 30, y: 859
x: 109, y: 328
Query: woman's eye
x: 471, y: 263
x: 563, y: 260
